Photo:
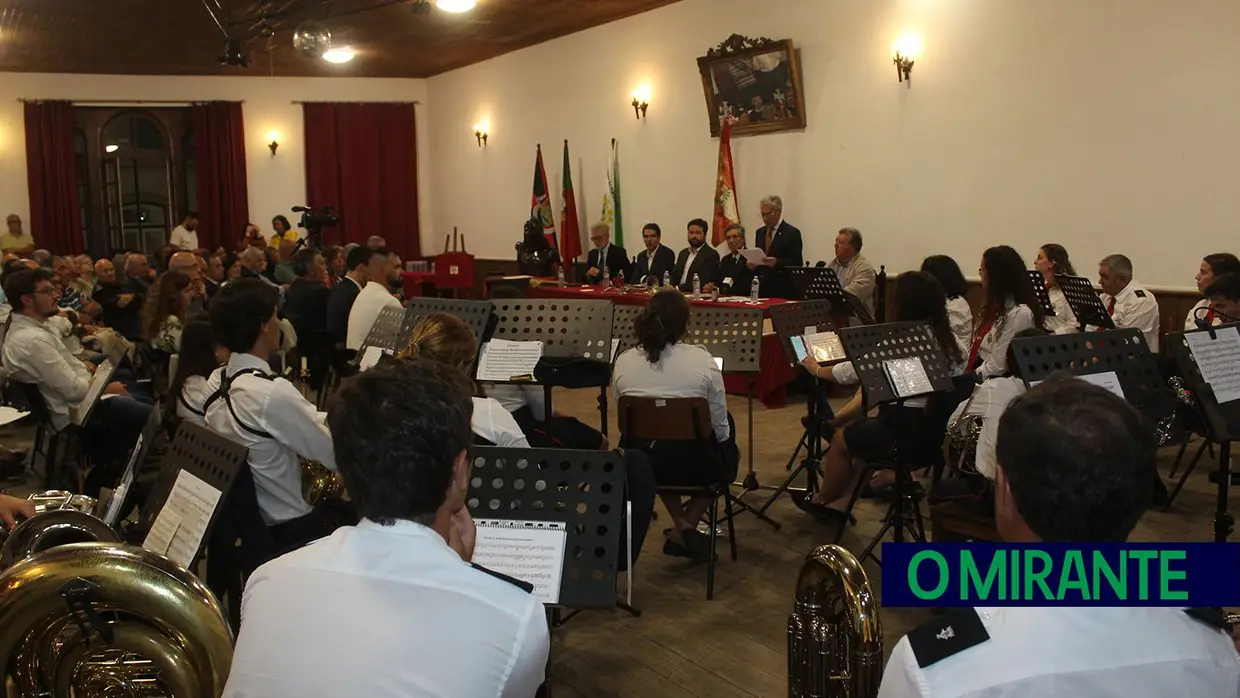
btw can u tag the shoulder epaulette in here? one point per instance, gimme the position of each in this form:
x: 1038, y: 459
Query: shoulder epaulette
x: 942, y: 637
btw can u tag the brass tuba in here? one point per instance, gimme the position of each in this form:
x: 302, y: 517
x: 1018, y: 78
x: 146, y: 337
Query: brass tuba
x: 103, y: 619
x: 835, y: 638
x: 60, y: 517
x: 318, y: 484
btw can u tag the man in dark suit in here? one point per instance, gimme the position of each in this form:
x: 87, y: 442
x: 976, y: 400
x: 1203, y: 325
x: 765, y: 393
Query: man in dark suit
x: 782, y: 244
x: 306, y: 308
x: 340, y: 302
x: 655, y: 260
x: 733, y: 268
x: 613, y: 257
x: 698, y: 258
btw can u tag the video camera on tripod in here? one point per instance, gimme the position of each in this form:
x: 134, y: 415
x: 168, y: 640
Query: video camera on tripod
x: 314, y: 220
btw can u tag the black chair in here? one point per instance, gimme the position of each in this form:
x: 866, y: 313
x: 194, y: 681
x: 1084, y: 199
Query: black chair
x: 240, y: 541
x: 56, y: 446
x: 644, y: 420
x: 340, y: 366
x: 880, y: 295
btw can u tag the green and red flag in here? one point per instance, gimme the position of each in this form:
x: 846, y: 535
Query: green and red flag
x: 570, y: 231
x: 540, y: 202
x: 726, y: 210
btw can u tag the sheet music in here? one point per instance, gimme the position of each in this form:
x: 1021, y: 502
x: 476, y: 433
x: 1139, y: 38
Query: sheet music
x: 825, y: 346
x: 9, y: 415
x: 118, y: 495
x: 160, y: 536
x: 502, y: 359
x: 371, y: 356
x: 1218, y: 360
x: 191, y: 504
x: 98, y: 382
x: 615, y: 349
x: 531, y: 551
x: 1106, y: 379
x: 908, y: 377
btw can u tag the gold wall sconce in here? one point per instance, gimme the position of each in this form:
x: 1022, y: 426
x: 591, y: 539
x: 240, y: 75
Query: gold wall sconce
x: 641, y: 102
x: 480, y: 133
x: 906, y: 50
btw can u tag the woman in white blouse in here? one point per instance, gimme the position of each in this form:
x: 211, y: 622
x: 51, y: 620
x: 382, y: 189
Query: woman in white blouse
x: 1011, y: 306
x: 663, y: 366
x: 1212, y: 267
x: 959, y: 314
x: 163, y: 316
x: 194, y: 364
x: 1053, y: 259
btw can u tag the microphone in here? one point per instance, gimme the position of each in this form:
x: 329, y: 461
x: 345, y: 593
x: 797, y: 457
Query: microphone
x: 1202, y: 323
x: 820, y: 264
x: 300, y: 209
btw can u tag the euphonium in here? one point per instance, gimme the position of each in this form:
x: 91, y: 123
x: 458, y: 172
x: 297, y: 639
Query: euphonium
x: 60, y: 517
x: 103, y: 619
x: 318, y: 484
x: 835, y: 638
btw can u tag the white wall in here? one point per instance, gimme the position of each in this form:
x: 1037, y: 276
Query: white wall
x: 1106, y: 126
x: 275, y: 183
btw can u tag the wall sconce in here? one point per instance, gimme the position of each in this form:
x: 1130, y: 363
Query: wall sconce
x: 907, y: 48
x: 480, y: 132
x: 640, y: 103
x: 904, y: 66
x: 275, y: 137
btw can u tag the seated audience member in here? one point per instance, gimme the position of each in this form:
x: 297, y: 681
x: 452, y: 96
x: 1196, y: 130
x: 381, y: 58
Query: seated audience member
x: 213, y: 275
x: 663, y: 366
x: 371, y: 300
x: 267, y: 414
x: 396, y: 277
x: 305, y: 307
x: 231, y: 262
x: 1011, y: 306
x: 605, y: 260
x: 66, y: 275
x: 35, y: 354
x: 1074, y: 465
x: 376, y: 242
x: 43, y: 258
x: 166, y: 308
x: 121, y: 300
x: 919, y: 298
x: 1053, y: 259
x: 1128, y: 302
x: 654, y: 261
x: 734, y: 272
x: 198, y: 358
x: 139, y: 271
x: 959, y: 315
x: 333, y: 255
x: 283, y: 271
x: 855, y: 272
x: 697, y: 259
x: 185, y: 235
x: 403, y: 590
x: 191, y: 265
x: 1212, y: 267
x: 15, y: 240
x: 85, y: 279
x: 254, y: 264
x: 340, y: 303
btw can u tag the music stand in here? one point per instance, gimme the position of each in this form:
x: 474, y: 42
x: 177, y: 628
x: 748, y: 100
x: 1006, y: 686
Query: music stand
x: 385, y: 332
x: 1039, y: 289
x: 822, y: 283
x: 622, y: 331
x: 476, y: 314
x: 1084, y: 301
x: 110, y: 510
x: 791, y: 320
x: 212, y: 458
x: 1222, y: 419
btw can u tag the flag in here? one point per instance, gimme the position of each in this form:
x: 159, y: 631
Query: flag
x: 570, y: 232
x: 540, y: 202
x: 726, y: 212
x: 611, y: 201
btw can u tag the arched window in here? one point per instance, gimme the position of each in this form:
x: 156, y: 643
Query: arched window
x: 137, y: 181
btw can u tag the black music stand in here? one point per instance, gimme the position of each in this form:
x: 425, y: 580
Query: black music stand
x: 476, y: 314
x: 385, y: 333
x: 1039, y: 288
x: 791, y: 320
x: 821, y: 283
x: 1084, y: 301
x: 1222, y: 419
x: 111, y: 510
x: 212, y: 458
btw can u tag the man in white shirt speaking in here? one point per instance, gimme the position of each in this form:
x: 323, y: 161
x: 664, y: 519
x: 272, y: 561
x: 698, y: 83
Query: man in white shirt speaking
x: 392, y: 607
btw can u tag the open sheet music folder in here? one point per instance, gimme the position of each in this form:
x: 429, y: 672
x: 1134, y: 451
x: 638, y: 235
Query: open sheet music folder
x: 1218, y: 360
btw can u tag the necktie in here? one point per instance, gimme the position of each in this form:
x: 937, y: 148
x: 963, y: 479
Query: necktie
x: 770, y: 238
x: 1111, y: 306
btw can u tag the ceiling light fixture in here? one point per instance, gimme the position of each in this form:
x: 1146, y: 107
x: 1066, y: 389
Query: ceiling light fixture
x: 456, y: 6
x: 111, y: 148
x: 344, y: 54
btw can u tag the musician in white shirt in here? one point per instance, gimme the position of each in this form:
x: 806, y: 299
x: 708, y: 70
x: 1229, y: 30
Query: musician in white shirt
x: 1129, y: 303
x: 959, y: 314
x: 1224, y: 297
x: 392, y: 607
x: 1212, y: 266
x: 1011, y: 306
x: 374, y: 297
x: 198, y: 359
x: 1053, y: 259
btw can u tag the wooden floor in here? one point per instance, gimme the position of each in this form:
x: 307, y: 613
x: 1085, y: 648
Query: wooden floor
x: 683, y: 645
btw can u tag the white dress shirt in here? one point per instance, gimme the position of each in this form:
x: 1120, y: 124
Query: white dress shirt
x: 1135, y: 307
x: 994, y: 346
x: 183, y: 239
x: 990, y: 398
x: 960, y: 317
x: 1067, y: 652
x: 371, y: 300
x: 297, y: 430
x: 684, y: 273
x: 1064, y: 321
x: 496, y: 424
x: 858, y: 277
x: 1190, y: 321
x: 514, y: 396
x: 385, y: 612
x: 683, y: 370
x: 35, y: 353
x: 193, y: 396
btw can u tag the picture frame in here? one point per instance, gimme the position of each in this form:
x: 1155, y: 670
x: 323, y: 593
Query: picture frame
x: 756, y: 83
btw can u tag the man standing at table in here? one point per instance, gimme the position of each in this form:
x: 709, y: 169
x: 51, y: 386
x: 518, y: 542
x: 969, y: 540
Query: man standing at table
x: 698, y: 258
x: 782, y: 244
x: 605, y: 256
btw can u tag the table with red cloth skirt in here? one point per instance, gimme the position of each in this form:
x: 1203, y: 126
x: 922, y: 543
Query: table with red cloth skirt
x: 771, y: 383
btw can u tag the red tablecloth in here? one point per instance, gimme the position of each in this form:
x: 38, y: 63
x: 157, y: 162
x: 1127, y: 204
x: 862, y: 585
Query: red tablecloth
x: 770, y: 385
x: 413, y: 281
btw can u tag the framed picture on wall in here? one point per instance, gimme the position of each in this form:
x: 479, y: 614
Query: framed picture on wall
x: 754, y: 82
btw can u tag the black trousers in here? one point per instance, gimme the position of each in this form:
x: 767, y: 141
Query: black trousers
x: 319, y: 523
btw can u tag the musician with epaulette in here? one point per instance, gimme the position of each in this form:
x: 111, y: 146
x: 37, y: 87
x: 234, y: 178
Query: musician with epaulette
x: 1074, y: 464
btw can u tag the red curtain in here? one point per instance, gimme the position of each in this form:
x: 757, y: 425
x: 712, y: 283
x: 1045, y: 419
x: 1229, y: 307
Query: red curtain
x: 363, y: 159
x: 51, y: 174
x: 223, y: 198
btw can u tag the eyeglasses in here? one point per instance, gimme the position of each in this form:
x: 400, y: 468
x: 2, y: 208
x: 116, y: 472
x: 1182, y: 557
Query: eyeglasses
x: 47, y: 291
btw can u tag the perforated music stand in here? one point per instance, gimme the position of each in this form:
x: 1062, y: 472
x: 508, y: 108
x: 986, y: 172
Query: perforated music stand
x: 212, y: 458
x: 385, y: 332
x: 1084, y: 301
x: 1039, y: 288
x: 582, y: 489
x: 821, y: 283
x: 622, y: 326
x: 870, y: 346
x: 473, y: 313
x: 1222, y: 421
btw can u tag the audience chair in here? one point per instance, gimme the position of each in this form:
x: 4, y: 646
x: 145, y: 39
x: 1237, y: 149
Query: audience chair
x: 56, y: 447
x: 880, y: 295
x: 338, y: 369
x: 683, y: 420
x: 239, y: 543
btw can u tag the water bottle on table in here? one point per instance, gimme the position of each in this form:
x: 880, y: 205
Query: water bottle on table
x: 753, y: 292
x: 667, y: 279
x: 697, y: 287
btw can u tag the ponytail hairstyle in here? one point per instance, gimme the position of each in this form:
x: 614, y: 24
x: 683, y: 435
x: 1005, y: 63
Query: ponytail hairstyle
x: 443, y: 338
x: 1057, y: 255
x: 663, y: 323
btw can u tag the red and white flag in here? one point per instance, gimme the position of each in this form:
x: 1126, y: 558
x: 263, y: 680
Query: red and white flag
x: 726, y: 211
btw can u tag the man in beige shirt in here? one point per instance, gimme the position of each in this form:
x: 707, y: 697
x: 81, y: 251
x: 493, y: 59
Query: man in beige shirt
x: 14, y: 240
x: 855, y: 272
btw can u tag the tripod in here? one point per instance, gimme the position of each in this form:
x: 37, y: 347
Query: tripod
x: 812, y: 441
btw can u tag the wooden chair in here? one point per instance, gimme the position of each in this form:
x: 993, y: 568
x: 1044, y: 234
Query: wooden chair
x: 952, y: 523
x: 647, y: 419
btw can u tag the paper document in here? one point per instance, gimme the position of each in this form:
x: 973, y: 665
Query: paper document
x: 504, y: 359
x: 1218, y: 360
x: 8, y: 415
x: 98, y: 382
x: 908, y: 377
x: 191, y: 504
x: 718, y: 362
x: 1106, y: 379
x: 118, y: 495
x: 531, y: 551
x: 615, y: 349
x: 371, y: 356
x: 754, y: 255
x: 160, y: 536
x: 826, y: 347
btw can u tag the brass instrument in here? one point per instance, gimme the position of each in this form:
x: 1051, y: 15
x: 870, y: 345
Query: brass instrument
x: 960, y: 444
x: 93, y: 620
x: 60, y: 517
x: 318, y: 484
x: 835, y: 637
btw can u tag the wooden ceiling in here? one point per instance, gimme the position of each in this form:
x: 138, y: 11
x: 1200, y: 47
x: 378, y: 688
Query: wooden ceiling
x: 392, y: 38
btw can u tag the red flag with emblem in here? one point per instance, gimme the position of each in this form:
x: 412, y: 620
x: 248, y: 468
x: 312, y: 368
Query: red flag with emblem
x: 540, y: 202
x: 726, y: 212
x: 570, y: 231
